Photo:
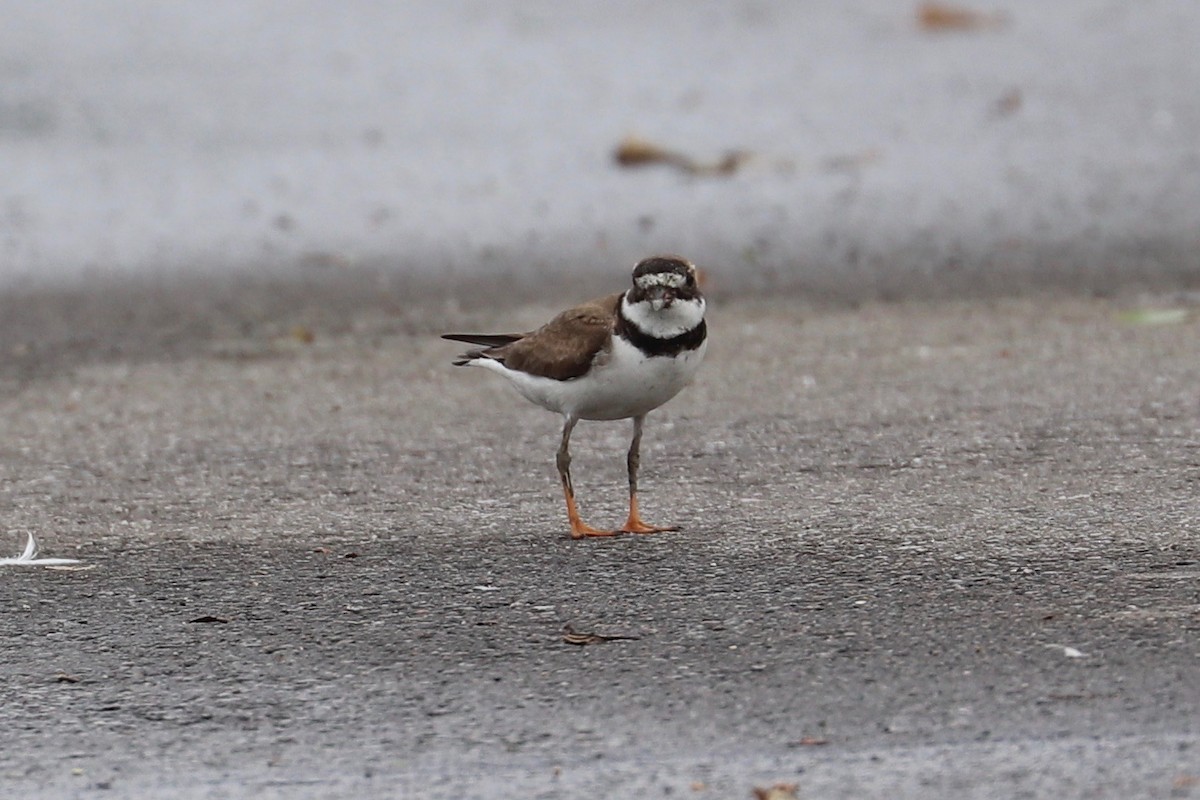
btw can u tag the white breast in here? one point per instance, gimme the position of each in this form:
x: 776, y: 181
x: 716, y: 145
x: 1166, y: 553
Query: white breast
x: 664, y: 323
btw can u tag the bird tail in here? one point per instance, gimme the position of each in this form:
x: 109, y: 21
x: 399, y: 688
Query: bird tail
x: 468, y: 357
x: 487, y: 340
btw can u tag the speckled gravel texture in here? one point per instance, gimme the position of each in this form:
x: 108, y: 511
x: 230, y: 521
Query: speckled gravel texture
x: 934, y: 550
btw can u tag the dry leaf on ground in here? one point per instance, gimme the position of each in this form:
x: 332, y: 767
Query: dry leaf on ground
x: 940, y: 17
x: 634, y: 151
x: 780, y: 791
x: 809, y: 741
x: 571, y: 636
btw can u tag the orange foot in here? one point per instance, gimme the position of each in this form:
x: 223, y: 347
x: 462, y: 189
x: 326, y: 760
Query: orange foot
x: 581, y: 530
x: 635, y: 525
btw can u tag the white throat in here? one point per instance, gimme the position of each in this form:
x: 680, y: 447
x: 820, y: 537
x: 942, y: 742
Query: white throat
x: 664, y: 323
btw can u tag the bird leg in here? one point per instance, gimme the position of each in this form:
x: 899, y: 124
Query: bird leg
x: 634, y: 523
x: 579, y: 529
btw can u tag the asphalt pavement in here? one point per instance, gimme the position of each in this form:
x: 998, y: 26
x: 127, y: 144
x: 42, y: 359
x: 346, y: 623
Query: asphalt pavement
x: 943, y: 546
x: 929, y: 549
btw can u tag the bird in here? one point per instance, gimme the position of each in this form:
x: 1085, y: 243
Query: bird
x: 612, y: 358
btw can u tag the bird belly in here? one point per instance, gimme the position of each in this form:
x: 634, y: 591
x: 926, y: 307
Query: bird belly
x: 628, y: 383
x: 623, y: 383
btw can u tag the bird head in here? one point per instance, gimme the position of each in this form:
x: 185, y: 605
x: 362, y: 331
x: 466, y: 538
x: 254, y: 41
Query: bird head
x: 661, y: 281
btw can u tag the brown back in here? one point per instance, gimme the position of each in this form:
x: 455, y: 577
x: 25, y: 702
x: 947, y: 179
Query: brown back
x: 565, y: 346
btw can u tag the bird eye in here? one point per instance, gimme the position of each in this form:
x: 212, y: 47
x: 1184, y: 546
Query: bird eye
x: 691, y: 279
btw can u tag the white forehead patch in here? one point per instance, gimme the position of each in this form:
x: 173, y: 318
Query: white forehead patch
x: 671, y: 280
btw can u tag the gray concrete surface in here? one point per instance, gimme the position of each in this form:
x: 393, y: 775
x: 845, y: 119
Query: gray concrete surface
x: 943, y: 548
x: 930, y: 550
x: 476, y: 138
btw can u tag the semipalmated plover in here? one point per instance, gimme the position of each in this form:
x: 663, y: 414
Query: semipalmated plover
x: 618, y: 357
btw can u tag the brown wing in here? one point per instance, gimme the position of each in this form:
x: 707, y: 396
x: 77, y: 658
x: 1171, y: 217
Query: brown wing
x: 565, y: 346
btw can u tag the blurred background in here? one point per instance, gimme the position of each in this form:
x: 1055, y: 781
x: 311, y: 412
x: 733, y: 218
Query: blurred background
x: 858, y: 148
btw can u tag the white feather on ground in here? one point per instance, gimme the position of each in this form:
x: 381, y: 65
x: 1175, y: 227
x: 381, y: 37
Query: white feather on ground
x: 29, y: 558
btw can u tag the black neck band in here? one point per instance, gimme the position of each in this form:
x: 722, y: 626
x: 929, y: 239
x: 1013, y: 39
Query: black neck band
x: 652, y: 345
